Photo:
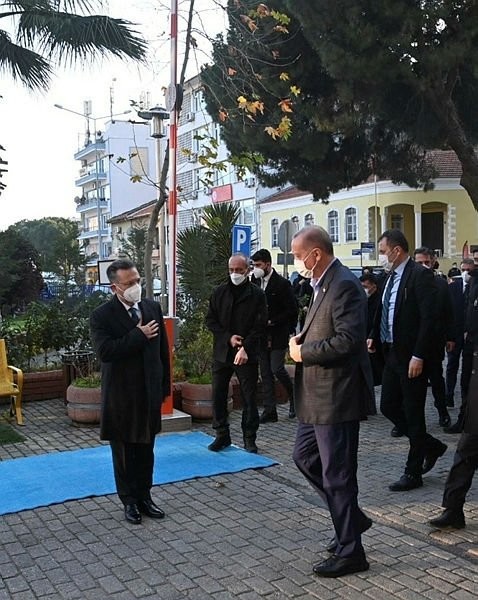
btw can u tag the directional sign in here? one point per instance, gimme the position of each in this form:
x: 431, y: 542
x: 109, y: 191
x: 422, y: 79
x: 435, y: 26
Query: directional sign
x: 241, y: 239
x: 367, y: 246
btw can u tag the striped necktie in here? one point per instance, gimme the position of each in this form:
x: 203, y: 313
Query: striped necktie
x: 384, y: 328
x: 134, y: 315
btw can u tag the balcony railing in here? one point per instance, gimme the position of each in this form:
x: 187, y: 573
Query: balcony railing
x: 88, y: 203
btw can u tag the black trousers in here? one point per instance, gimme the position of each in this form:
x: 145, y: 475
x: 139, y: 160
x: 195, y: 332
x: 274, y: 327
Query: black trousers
x: 403, y: 403
x: 133, y: 469
x: 247, y: 375
x: 434, y: 371
x: 272, y: 365
x: 460, y: 477
x: 327, y: 457
x: 465, y: 350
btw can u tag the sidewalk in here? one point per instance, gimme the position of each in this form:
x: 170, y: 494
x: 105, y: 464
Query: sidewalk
x: 249, y: 535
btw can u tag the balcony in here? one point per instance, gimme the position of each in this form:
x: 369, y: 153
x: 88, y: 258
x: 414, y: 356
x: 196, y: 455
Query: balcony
x: 90, y: 175
x: 87, y: 233
x: 90, y: 149
x: 84, y: 204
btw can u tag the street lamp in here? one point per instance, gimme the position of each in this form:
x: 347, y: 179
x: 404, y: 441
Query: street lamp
x: 157, y: 115
x: 87, y: 115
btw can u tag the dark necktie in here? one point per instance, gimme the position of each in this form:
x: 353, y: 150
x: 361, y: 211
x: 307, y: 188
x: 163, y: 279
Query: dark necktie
x: 384, y: 329
x: 134, y: 315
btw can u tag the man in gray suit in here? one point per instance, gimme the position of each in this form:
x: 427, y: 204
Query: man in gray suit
x: 334, y: 391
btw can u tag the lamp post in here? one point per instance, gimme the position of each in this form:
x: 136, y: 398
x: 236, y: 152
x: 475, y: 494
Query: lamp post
x: 157, y: 115
x: 87, y: 115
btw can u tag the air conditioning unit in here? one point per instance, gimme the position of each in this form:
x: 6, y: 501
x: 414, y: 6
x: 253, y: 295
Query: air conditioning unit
x: 193, y: 157
x: 207, y: 191
x: 190, y: 117
x: 250, y: 182
x: 194, y: 194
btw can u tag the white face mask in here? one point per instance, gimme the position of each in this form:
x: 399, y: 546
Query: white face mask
x: 133, y: 293
x: 466, y: 276
x: 237, y: 278
x: 258, y: 273
x: 385, y: 262
x: 299, y: 266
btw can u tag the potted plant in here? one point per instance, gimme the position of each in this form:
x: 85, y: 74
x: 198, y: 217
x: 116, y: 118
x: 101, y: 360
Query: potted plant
x: 195, y: 356
x: 83, y: 395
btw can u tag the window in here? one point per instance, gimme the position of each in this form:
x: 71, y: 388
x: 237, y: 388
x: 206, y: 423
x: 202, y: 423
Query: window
x: 351, y: 225
x: 104, y: 219
x: 396, y: 222
x: 196, y: 179
x: 138, y: 162
x: 333, y: 225
x: 197, y: 101
x: 274, y: 233
x: 295, y: 225
x: 308, y: 220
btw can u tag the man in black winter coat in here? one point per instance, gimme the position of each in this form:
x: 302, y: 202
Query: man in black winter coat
x: 282, y: 319
x: 129, y: 337
x: 237, y: 317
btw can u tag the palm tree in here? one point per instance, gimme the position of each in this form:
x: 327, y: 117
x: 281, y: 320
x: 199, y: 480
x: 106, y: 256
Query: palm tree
x: 47, y: 33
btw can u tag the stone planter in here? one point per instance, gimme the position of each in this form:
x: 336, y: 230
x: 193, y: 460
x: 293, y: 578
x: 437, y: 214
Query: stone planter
x: 83, y: 405
x: 44, y: 385
x: 197, y: 400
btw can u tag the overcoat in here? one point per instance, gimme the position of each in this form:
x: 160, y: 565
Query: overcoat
x: 282, y: 311
x: 334, y: 381
x: 135, y: 371
x: 250, y: 312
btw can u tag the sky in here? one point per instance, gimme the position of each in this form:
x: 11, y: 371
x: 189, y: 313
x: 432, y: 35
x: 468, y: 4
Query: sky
x: 40, y: 140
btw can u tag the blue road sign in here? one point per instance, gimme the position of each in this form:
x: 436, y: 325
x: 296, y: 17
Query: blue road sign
x: 367, y: 246
x: 241, y: 239
x: 356, y: 252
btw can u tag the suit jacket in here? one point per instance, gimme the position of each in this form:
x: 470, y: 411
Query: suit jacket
x: 282, y: 310
x: 458, y: 303
x: 250, y: 313
x: 414, y: 315
x: 334, y: 381
x: 444, y: 325
x: 135, y: 371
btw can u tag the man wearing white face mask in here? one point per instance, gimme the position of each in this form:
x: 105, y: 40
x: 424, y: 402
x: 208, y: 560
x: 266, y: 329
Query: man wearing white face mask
x: 237, y: 317
x: 282, y: 320
x: 403, y: 331
x: 129, y: 337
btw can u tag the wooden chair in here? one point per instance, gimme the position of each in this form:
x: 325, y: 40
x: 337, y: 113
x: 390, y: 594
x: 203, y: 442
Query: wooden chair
x: 11, y: 384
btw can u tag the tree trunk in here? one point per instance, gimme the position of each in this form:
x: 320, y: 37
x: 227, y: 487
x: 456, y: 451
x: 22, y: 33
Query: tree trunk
x: 446, y: 112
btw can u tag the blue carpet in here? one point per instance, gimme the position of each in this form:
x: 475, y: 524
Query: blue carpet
x: 53, y: 478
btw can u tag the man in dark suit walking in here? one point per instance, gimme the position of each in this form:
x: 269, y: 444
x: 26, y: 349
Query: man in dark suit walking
x: 404, y: 330
x: 282, y: 319
x: 444, y: 331
x: 334, y: 391
x: 465, y: 461
x: 129, y: 337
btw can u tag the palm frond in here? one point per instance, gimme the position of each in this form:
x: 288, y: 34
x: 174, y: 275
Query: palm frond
x: 71, y: 37
x: 24, y: 64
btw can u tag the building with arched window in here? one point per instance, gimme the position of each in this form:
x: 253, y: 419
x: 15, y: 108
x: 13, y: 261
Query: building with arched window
x: 443, y: 218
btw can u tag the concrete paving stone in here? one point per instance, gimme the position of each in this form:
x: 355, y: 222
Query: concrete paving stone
x: 24, y: 595
x: 110, y: 583
x: 288, y: 587
x: 68, y: 591
x: 42, y: 587
x: 260, y: 584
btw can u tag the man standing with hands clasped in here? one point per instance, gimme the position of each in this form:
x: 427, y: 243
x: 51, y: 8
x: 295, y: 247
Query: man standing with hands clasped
x: 237, y: 317
x: 129, y: 337
x: 334, y: 391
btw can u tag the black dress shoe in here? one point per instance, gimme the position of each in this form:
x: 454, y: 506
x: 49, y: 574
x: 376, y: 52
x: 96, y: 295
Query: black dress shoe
x: 450, y: 518
x: 149, y: 508
x: 132, y: 514
x: 268, y: 416
x: 444, y: 420
x: 221, y: 442
x: 405, y: 483
x: 456, y: 428
x: 335, y: 566
x: 396, y: 432
x: 332, y: 545
x: 250, y: 445
x: 432, y: 456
